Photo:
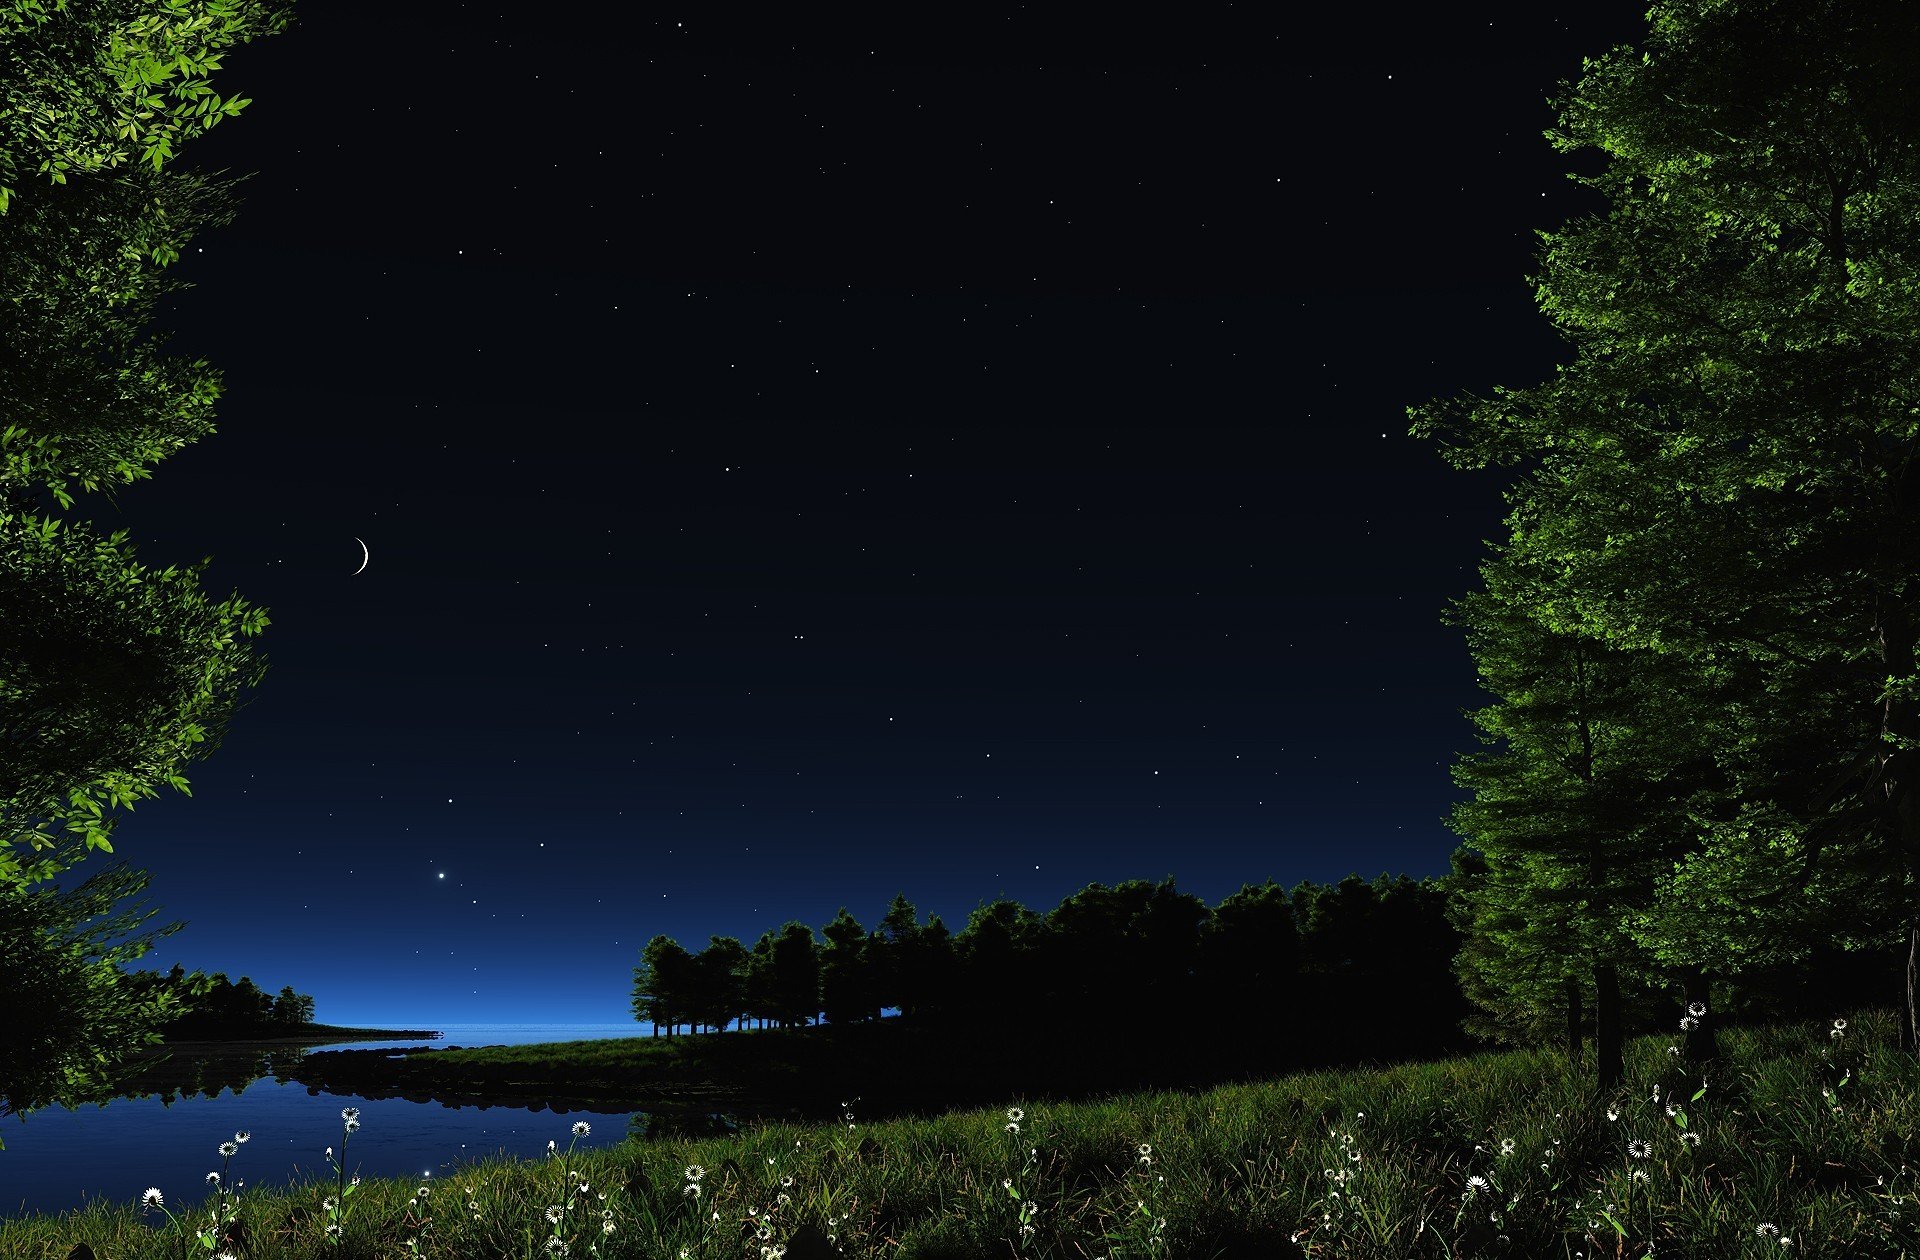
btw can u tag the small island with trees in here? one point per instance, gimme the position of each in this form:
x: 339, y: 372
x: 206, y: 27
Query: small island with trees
x: 217, y: 1009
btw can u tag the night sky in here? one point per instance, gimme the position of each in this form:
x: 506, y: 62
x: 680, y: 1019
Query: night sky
x: 805, y: 458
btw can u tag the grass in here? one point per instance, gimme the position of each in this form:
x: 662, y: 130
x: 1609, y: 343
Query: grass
x: 1796, y: 1144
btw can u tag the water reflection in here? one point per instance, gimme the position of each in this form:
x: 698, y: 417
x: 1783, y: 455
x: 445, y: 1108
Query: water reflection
x: 205, y: 1071
x: 172, y: 1110
x: 671, y: 1124
x: 175, y: 1073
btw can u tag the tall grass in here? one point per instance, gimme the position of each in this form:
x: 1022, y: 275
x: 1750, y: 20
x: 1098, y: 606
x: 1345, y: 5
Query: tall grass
x: 1796, y: 1144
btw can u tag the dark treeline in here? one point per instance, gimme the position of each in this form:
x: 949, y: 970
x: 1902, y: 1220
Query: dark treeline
x: 1359, y: 964
x: 217, y: 1007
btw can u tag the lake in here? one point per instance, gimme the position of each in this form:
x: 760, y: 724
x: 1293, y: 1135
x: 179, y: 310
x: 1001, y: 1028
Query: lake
x: 57, y: 1159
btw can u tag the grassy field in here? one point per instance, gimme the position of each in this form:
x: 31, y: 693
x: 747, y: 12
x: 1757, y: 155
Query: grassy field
x: 1797, y: 1144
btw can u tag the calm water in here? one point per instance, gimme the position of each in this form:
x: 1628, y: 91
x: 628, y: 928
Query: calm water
x: 57, y: 1159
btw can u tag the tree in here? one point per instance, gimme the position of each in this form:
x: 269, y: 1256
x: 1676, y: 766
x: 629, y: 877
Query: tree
x: 112, y: 677
x: 720, y: 984
x: 930, y: 975
x: 1136, y: 938
x: 292, y: 1009
x: 1168, y: 925
x: 897, y: 936
x: 1724, y: 475
x: 795, y: 980
x: 1087, y: 952
x: 1519, y: 996
x: 1603, y: 768
x: 759, y: 980
x: 74, y: 1019
x: 847, y: 973
x: 664, y: 985
x: 998, y: 950
x: 1250, y: 955
x: 1374, y: 959
x: 75, y: 85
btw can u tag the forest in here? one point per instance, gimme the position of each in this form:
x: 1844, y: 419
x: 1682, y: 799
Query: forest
x: 217, y: 1007
x: 1384, y: 962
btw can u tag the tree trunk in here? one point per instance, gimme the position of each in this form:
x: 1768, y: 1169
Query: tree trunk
x: 1899, y: 721
x: 1573, y: 1024
x: 1909, y: 1030
x: 1608, y: 1044
x: 1702, y: 1044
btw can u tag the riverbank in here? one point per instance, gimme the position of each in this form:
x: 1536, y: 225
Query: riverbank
x: 308, y: 1035
x: 1797, y: 1139
x: 897, y: 1066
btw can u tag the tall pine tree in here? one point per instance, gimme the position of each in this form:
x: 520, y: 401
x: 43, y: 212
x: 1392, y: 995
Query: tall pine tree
x: 1726, y: 467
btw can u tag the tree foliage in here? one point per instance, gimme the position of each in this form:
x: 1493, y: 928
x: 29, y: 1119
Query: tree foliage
x: 74, y: 1018
x: 1721, y: 481
x: 849, y: 971
x: 84, y: 90
x: 112, y: 676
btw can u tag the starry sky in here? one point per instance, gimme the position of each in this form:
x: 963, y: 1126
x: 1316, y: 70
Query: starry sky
x: 805, y: 458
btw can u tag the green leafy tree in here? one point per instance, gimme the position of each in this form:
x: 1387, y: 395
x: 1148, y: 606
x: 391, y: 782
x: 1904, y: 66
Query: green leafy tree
x: 74, y: 1019
x: 94, y: 88
x: 1724, y: 473
x: 1602, y: 770
x: 1523, y: 994
x: 112, y: 676
x: 115, y: 677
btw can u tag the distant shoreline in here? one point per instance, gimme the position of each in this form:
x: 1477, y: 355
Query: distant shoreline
x: 309, y: 1034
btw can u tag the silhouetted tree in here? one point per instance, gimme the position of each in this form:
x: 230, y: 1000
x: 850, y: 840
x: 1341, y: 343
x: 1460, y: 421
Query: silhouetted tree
x: 720, y: 981
x: 796, y: 975
x: 292, y: 1009
x: 1137, y: 938
x: 251, y: 1004
x: 664, y: 985
x: 760, y: 1000
x: 1250, y: 956
x: 998, y: 950
x: 847, y: 979
x: 1169, y: 926
x: 930, y: 974
x: 897, y: 935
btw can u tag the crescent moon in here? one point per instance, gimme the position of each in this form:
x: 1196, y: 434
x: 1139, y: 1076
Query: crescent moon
x: 365, y: 556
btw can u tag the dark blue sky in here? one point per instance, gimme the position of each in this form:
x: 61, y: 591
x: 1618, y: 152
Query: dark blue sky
x: 804, y: 463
